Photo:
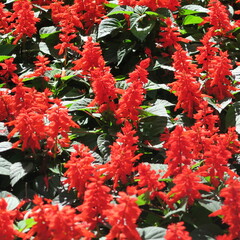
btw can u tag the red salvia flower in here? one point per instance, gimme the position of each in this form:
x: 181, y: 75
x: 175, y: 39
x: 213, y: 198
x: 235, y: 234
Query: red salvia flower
x: 30, y: 126
x: 91, y: 57
x: 133, y: 96
x: 24, y: 20
x: 122, y: 156
x: 6, y: 222
x: 176, y: 231
x: 40, y: 68
x: 55, y: 223
x: 207, y: 51
x: 79, y: 169
x: 179, y: 151
x: 170, y: 35
x: 187, y: 185
x: 96, y: 200
x: 218, y: 84
x: 149, y: 181
x: 186, y: 86
x: 123, y: 217
x: 7, y: 71
x: 231, y: 207
x: 218, y: 18
x: 4, y: 20
x: 92, y: 64
x: 59, y: 125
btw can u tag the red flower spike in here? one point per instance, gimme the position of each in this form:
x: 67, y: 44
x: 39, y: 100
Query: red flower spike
x: 176, y: 231
x: 123, y: 217
x: 6, y: 222
x: 79, y: 169
x: 186, y: 87
x: 187, y: 185
x: 219, y: 84
x: 170, y: 35
x: 179, y: 151
x: 218, y: 18
x: 7, y: 71
x: 40, y: 68
x: 132, y: 98
x: 56, y: 223
x: 122, y: 156
x: 24, y: 20
x: 4, y: 20
x: 96, y: 200
x: 231, y: 208
x: 149, y: 181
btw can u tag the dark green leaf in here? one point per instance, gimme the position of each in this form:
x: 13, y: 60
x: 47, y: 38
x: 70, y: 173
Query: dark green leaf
x: 150, y: 233
x: 206, y: 232
x: 4, y: 166
x: 121, y: 10
x: 80, y: 104
x: 18, y: 170
x: 103, y: 145
x: 45, y: 32
x: 6, y: 49
x: 107, y: 26
x: 210, y: 204
x: 195, y: 8
x: 4, y: 146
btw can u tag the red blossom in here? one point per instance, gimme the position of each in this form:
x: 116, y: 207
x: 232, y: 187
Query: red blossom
x: 123, y: 217
x: 231, y: 208
x: 4, y: 20
x: 96, y: 200
x: 40, y: 68
x: 56, y: 223
x: 122, y: 156
x: 176, y: 231
x: 6, y: 222
x: 186, y: 87
x: 149, y: 182
x: 79, y: 169
x: 187, y: 185
x: 7, y: 71
x: 23, y: 20
x: 170, y: 35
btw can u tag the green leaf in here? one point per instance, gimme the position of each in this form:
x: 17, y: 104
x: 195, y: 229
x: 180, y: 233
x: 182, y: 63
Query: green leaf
x: 121, y: 10
x: 103, y: 145
x: 206, y: 232
x: 210, y: 204
x: 2, y: 58
x: 143, y: 199
x: 4, y: 146
x: 81, y: 104
x: 107, y: 26
x: 25, y: 224
x: 150, y: 233
x: 111, y: 5
x: 140, y: 27
x: 18, y: 170
x: 45, y: 32
x: 233, y: 116
x: 4, y: 166
x: 195, y: 8
x: 158, y: 109
x: 6, y: 49
x: 192, y: 20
